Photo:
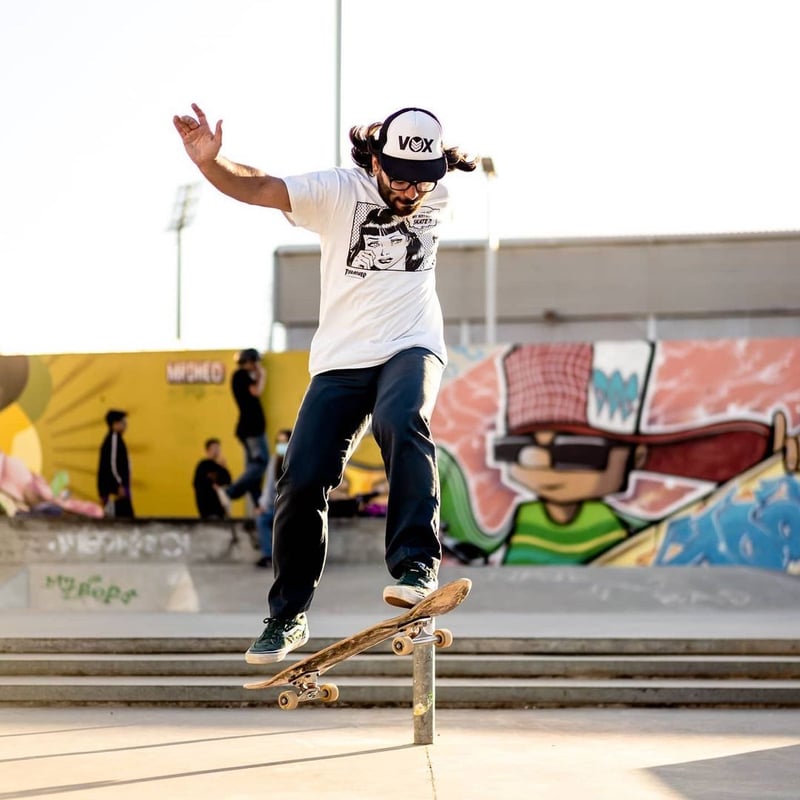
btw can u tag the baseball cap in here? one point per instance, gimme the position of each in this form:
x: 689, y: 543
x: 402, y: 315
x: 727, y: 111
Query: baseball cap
x: 410, y: 144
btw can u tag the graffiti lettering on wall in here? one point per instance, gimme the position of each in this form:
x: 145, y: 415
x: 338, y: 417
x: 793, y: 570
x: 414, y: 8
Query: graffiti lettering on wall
x: 127, y: 544
x: 92, y: 588
x: 623, y: 453
x: 195, y: 372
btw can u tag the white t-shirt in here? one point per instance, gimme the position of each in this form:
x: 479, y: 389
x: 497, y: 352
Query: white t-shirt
x: 377, y: 271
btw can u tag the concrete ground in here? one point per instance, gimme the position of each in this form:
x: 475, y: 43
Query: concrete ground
x: 557, y: 754
x: 120, y: 752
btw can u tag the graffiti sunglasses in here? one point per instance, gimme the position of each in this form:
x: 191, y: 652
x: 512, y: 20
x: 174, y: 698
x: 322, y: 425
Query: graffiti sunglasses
x: 566, y: 452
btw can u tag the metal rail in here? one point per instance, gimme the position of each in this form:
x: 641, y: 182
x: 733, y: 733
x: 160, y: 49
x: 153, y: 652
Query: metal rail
x: 424, y: 679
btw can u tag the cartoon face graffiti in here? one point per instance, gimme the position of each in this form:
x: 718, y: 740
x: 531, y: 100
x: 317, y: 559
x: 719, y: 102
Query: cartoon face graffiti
x: 564, y: 468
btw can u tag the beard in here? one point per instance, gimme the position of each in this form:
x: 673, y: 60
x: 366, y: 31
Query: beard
x: 400, y: 205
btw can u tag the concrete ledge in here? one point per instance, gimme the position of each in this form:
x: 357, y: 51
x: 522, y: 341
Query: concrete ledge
x: 38, y: 539
x: 60, y: 564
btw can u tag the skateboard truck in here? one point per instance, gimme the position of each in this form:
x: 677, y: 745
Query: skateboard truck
x: 307, y: 687
x: 418, y: 632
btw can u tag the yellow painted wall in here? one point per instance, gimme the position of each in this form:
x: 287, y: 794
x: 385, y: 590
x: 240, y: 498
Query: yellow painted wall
x: 55, y: 421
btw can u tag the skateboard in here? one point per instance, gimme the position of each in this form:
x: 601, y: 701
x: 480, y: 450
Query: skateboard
x: 407, y: 630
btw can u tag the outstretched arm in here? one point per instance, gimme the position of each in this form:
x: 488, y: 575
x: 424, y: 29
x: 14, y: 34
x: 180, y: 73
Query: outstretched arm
x: 247, y: 184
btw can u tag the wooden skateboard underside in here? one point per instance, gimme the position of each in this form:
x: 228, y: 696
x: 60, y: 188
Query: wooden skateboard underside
x: 410, y: 628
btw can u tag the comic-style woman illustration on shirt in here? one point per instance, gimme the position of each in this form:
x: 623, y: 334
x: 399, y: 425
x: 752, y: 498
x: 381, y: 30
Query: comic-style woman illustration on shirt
x: 386, y: 242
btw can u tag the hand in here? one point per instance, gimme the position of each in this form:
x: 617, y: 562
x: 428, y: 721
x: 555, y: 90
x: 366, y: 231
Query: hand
x: 365, y: 259
x: 200, y: 143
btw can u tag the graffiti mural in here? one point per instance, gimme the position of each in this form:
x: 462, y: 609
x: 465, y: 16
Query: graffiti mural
x: 623, y: 453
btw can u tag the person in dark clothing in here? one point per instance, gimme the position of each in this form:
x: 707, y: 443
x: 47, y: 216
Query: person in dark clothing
x: 210, y: 477
x: 247, y: 384
x: 265, y: 512
x: 113, y: 470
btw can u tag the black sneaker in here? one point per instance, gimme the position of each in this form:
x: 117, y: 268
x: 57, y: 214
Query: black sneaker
x: 416, y: 583
x: 280, y: 637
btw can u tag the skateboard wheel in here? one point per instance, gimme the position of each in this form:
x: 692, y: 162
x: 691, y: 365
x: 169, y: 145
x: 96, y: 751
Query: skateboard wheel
x: 402, y: 645
x: 288, y: 701
x: 328, y: 693
x: 443, y: 638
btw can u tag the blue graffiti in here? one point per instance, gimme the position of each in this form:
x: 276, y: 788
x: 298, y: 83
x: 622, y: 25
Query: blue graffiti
x: 620, y: 394
x: 762, y: 533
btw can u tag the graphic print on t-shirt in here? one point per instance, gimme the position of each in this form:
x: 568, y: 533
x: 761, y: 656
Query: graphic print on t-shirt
x: 379, y: 240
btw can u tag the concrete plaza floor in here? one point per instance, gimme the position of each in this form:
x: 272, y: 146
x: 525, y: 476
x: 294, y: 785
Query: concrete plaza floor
x: 117, y: 753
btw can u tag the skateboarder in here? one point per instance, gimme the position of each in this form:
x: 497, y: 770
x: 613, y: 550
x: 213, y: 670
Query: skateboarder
x: 377, y: 356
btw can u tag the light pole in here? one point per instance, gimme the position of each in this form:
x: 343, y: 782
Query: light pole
x: 492, y: 244
x: 337, y: 117
x: 182, y: 216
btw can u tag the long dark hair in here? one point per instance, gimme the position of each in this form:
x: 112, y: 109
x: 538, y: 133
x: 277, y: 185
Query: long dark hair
x: 364, y: 139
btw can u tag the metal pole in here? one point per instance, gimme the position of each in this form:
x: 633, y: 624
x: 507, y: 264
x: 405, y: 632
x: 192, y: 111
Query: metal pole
x: 652, y: 332
x: 491, y: 290
x: 181, y: 217
x: 338, y: 87
x: 424, y: 692
x: 492, y: 245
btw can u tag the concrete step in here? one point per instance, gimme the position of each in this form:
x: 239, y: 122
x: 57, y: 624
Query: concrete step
x: 448, y: 665
x: 576, y: 645
x: 477, y: 671
x: 366, y: 691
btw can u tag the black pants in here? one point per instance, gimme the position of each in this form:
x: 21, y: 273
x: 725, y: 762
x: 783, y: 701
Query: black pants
x: 398, y: 397
x: 256, y: 459
x: 123, y: 507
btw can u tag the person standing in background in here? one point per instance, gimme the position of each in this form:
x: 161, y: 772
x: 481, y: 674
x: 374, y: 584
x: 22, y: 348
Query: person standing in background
x: 247, y: 384
x: 113, y: 469
x: 210, y: 476
x: 266, y: 503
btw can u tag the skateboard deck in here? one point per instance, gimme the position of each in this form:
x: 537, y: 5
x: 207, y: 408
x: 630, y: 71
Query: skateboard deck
x: 407, y: 630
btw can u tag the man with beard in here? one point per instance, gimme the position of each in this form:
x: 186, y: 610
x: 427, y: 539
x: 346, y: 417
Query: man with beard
x: 377, y: 356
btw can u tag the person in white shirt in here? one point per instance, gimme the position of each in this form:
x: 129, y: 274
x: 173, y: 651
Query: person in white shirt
x: 376, y: 358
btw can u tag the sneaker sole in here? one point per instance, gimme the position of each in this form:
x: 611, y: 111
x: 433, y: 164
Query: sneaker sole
x: 402, y: 596
x: 276, y: 655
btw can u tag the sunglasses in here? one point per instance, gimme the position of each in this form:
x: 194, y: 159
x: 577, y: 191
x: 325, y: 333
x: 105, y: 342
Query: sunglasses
x: 566, y: 452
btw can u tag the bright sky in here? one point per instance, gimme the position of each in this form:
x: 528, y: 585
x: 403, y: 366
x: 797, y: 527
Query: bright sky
x: 603, y: 118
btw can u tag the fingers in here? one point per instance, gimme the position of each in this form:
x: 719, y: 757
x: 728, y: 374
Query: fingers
x: 185, y: 124
x: 196, y: 132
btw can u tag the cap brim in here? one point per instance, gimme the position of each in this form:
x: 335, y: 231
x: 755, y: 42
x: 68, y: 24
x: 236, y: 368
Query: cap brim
x: 405, y: 169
